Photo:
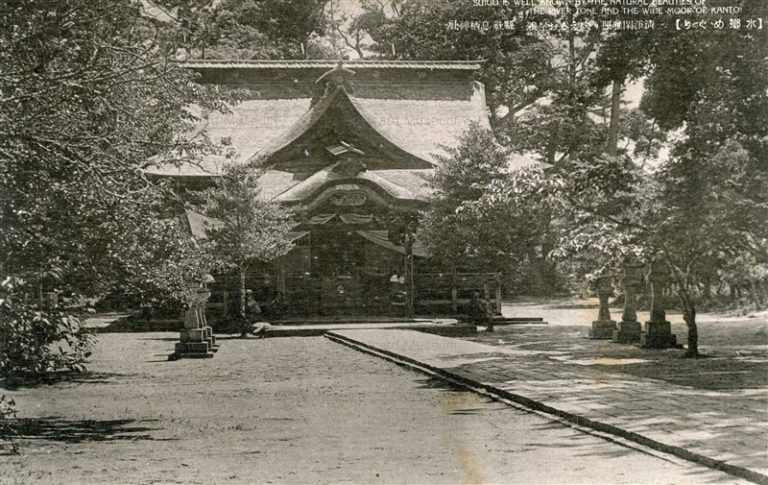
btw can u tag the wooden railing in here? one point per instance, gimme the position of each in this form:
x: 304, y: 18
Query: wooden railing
x: 440, y: 292
x: 435, y: 293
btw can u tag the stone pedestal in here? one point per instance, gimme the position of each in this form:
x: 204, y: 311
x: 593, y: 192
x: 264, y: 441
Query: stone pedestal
x: 603, y: 327
x: 657, y: 335
x: 628, y: 330
x: 196, y: 339
x: 627, y: 333
x: 657, y: 332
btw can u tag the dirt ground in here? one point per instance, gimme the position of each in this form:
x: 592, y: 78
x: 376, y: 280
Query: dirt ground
x: 296, y: 410
x: 735, y: 348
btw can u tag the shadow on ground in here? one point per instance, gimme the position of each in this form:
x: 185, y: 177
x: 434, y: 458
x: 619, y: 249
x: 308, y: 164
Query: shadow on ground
x: 438, y: 384
x: 62, y: 378
x: 736, y: 354
x: 54, y: 428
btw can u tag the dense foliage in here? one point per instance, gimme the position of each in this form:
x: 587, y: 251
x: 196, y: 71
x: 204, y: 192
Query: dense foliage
x: 682, y: 180
x: 86, y: 99
x: 236, y: 29
x: 36, y: 343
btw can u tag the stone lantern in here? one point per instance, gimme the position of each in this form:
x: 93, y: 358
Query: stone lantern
x: 196, y: 338
x: 628, y: 330
x: 603, y: 327
x: 657, y: 332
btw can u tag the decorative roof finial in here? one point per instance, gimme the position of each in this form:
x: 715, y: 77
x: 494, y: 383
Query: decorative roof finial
x: 338, y: 75
x: 330, y: 80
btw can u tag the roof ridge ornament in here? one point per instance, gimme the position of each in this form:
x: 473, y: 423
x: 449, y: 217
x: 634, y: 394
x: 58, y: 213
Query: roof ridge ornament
x: 336, y: 77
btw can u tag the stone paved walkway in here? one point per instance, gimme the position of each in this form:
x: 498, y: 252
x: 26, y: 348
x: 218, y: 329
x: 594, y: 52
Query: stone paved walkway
x: 716, y: 421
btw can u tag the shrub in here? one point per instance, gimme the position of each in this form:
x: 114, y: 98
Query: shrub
x: 34, y: 343
x: 7, y: 430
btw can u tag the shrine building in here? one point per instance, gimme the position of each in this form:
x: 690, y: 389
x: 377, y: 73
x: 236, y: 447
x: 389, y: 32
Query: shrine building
x: 349, y: 147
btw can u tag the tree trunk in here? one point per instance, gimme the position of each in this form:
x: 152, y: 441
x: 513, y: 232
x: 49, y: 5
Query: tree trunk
x: 755, y: 294
x: 243, y: 302
x: 613, y: 128
x: 242, y: 293
x: 538, y: 286
x: 40, y: 298
x: 689, y: 315
x: 707, y: 288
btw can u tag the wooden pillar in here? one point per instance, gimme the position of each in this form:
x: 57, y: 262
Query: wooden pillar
x: 498, y: 293
x: 410, y: 288
x: 454, y: 294
x: 280, y: 284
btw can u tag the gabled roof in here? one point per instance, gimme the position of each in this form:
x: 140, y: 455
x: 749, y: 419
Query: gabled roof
x: 258, y: 128
x: 404, y: 128
x: 408, y: 110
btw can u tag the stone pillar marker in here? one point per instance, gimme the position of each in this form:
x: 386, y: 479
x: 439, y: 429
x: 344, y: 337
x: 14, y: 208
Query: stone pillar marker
x: 197, y: 340
x: 603, y: 327
x: 657, y: 332
x: 628, y: 330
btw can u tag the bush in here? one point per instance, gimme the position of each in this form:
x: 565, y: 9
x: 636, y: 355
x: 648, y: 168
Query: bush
x: 34, y: 343
x: 7, y: 430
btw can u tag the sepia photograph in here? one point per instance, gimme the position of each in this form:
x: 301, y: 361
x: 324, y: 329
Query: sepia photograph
x: 383, y: 242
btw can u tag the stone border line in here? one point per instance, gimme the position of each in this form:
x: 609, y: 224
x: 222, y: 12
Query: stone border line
x: 538, y: 407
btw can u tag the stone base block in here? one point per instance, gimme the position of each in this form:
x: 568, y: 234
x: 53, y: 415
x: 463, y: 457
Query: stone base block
x: 190, y: 355
x: 602, y: 329
x: 182, y: 347
x: 657, y: 335
x: 193, y: 350
x: 627, y: 333
x: 193, y: 335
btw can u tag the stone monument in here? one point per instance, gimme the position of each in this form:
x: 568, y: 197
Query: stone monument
x: 657, y: 332
x: 197, y: 340
x: 628, y: 330
x: 603, y: 327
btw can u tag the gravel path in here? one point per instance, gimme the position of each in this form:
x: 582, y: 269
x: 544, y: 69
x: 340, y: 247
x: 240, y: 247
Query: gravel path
x: 296, y: 410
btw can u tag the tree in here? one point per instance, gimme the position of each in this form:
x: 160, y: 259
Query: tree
x: 461, y: 178
x: 487, y: 214
x: 516, y: 65
x: 86, y: 100
x: 87, y: 96
x: 251, y: 229
x: 265, y: 29
x: 689, y: 214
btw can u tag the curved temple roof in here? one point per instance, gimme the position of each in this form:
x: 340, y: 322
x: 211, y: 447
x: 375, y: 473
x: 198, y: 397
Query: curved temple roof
x: 412, y: 108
